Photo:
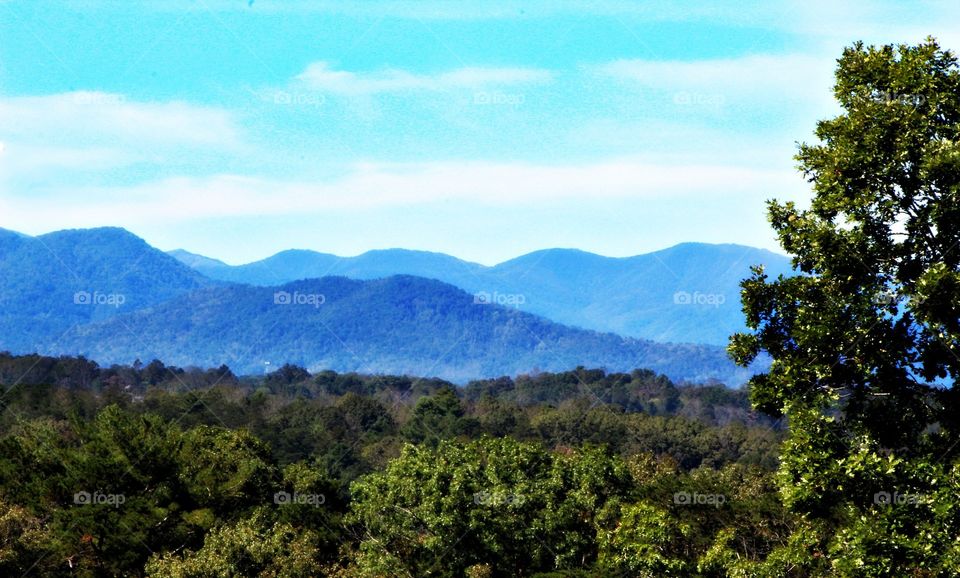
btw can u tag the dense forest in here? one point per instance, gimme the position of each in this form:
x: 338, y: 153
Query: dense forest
x: 157, y: 470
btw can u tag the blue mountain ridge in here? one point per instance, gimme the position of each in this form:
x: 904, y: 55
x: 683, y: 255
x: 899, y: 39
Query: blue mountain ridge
x: 107, y: 294
x: 686, y: 293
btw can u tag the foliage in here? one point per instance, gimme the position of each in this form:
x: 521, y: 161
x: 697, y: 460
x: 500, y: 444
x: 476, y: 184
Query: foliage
x: 497, y: 502
x: 198, y: 470
x: 866, y: 342
x: 252, y: 547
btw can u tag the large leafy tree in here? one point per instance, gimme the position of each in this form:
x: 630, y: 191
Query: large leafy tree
x: 254, y: 546
x: 865, y: 340
x: 491, y: 505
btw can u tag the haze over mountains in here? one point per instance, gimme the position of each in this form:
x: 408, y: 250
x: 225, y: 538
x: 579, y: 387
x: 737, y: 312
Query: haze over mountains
x: 107, y: 294
x: 397, y: 325
x: 688, y: 293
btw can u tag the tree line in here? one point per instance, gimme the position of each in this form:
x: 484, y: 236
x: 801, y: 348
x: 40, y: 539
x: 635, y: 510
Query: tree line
x: 165, y: 471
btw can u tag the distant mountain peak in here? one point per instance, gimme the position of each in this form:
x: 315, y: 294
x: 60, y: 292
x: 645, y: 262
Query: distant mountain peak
x: 392, y: 310
x: 558, y: 254
x: 195, y: 260
x: 402, y: 251
x: 295, y: 252
x: 12, y: 233
x: 658, y: 296
x: 105, y: 230
x: 689, y: 246
x: 640, y: 296
x: 98, y: 235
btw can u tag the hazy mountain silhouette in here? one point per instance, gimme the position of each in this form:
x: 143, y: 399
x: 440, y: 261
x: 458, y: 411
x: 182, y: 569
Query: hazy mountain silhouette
x: 687, y: 293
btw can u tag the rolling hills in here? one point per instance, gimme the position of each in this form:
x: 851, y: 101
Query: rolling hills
x: 688, y: 293
x: 56, y: 281
x: 107, y: 294
x: 399, y: 324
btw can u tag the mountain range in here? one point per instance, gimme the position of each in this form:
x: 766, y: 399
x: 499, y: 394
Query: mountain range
x: 107, y: 294
x: 688, y: 293
x: 398, y: 325
x: 56, y: 281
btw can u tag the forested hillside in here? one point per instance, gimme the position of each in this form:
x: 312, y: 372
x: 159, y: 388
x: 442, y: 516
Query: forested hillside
x: 399, y: 324
x: 107, y: 294
x: 53, y: 282
x: 686, y: 293
x: 177, y: 472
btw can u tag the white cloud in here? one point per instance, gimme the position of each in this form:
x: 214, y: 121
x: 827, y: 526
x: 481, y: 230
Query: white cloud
x: 320, y: 76
x: 373, y: 186
x: 97, y: 131
x: 108, y: 116
x: 748, y: 78
x: 28, y: 159
x: 880, y: 22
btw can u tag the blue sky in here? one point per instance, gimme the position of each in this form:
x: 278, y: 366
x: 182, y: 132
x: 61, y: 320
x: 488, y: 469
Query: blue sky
x: 480, y: 129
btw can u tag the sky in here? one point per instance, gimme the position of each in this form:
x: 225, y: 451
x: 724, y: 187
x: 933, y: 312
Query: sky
x: 484, y: 130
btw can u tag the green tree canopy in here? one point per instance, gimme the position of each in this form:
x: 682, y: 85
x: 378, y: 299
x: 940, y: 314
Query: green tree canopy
x: 500, y: 503
x: 865, y: 340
